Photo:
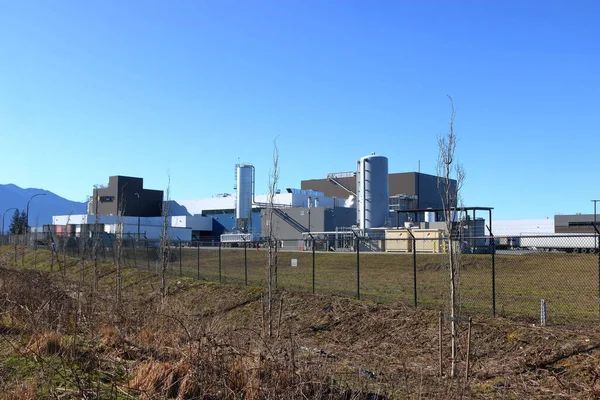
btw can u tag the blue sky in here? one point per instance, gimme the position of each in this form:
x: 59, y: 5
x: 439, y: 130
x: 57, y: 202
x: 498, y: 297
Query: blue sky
x: 90, y: 89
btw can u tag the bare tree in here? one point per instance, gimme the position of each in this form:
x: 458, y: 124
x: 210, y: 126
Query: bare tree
x: 65, y: 241
x: 165, y: 247
x: 272, y: 241
x: 451, y: 176
x: 96, y: 237
x: 83, y: 247
x: 119, y: 229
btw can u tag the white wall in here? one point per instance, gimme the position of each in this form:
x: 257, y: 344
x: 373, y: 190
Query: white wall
x: 197, y: 206
x: 152, y: 226
x: 522, y: 227
x: 103, y: 219
x: 152, y: 232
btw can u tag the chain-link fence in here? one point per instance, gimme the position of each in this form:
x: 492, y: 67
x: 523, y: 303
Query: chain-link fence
x: 501, y: 276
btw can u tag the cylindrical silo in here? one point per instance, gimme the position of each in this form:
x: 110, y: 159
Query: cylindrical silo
x: 243, y: 205
x: 429, y: 216
x: 372, y: 191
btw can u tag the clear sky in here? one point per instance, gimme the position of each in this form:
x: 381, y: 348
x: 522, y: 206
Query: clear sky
x: 146, y: 88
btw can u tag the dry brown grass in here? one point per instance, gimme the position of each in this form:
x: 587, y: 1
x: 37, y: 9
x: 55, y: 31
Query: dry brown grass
x: 21, y: 391
x: 207, y: 341
x: 49, y: 343
x: 165, y: 379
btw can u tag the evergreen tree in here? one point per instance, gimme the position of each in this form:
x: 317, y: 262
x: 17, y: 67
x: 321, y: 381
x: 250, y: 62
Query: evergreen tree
x: 14, y: 223
x: 18, y: 223
x: 24, y: 224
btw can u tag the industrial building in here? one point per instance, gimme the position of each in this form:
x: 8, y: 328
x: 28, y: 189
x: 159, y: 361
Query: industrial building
x: 126, y: 196
x: 179, y: 227
x: 364, y: 201
x: 356, y: 200
x: 124, y: 207
x: 419, y: 189
x: 300, y: 223
x: 577, y: 223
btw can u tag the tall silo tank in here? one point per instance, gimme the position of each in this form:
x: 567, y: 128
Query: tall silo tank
x: 243, y: 209
x: 429, y: 216
x: 372, y: 207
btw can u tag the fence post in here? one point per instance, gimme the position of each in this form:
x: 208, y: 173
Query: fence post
x: 220, y: 277
x: 245, y: 263
x: 313, y: 265
x: 414, y: 251
x: 597, y: 240
x: 493, y: 277
x: 493, y: 272
x: 114, y: 251
x: 147, y: 255
x: 542, y: 312
x: 198, y: 259
x: 134, y: 255
x: 180, y: 270
x: 358, y: 268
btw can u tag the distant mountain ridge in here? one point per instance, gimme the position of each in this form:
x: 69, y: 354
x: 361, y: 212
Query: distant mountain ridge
x: 41, y: 209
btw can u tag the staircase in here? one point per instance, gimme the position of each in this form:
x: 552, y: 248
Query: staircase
x: 291, y: 221
x: 332, y: 178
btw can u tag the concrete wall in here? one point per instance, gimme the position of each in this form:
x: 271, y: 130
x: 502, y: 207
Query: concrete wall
x: 196, y: 222
x: 119, y: 198
x: 223, y: 223
x: 522, y: 227
x: 290, y: 223
x: 578, y: 223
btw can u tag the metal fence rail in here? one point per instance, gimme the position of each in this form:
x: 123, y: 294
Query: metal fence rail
x: 505, y: 276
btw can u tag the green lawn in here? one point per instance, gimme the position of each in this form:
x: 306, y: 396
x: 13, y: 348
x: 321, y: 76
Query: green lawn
x: 568, y: 282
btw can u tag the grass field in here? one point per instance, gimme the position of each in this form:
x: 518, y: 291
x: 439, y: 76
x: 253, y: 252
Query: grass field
x: 568, y: 282
x: 62, y: 338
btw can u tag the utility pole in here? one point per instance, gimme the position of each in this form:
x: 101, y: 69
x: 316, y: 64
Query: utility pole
x: 309, y: 201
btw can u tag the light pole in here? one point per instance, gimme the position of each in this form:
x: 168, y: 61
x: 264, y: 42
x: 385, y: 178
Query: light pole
x: 138, y: 213
x: 27, y: 216
x: 309, y: 201
x: 7, y: 210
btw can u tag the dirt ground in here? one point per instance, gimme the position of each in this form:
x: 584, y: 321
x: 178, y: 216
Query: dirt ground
x: 60, y: 338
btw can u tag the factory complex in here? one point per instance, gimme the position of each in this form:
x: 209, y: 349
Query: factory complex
x: 367, y: 202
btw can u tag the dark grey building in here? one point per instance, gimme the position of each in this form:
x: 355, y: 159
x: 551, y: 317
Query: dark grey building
x: 578, y: 223
x: 126, y: 196
x: 424, y: 186
x: 290, y: 223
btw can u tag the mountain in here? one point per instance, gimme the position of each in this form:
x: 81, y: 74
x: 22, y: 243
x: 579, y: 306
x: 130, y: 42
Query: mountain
x: 41, y: 209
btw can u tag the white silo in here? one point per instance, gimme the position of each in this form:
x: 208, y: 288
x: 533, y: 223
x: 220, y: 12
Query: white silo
x: 429, y: 216
x: 372, y: 191
x: 244, y: 174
